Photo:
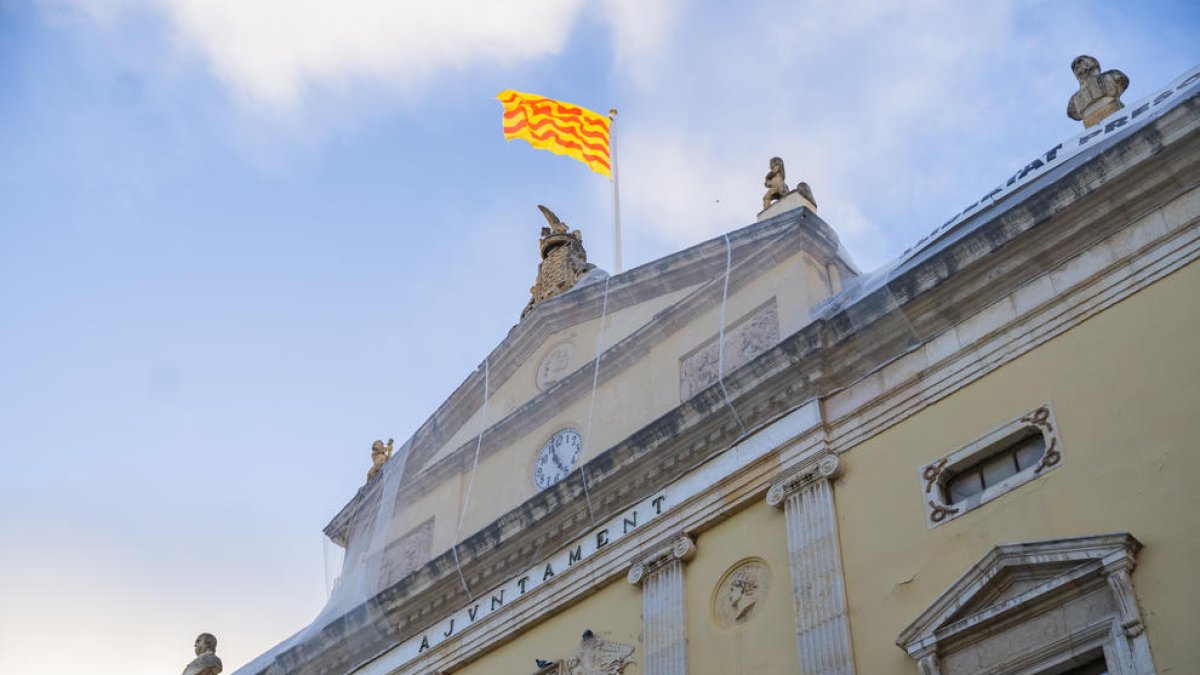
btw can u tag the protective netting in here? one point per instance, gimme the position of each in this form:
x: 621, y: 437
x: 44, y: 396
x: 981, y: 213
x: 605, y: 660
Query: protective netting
x: 529, y: 429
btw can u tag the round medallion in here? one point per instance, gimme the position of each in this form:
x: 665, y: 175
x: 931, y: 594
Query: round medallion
x: 740, y: 592
x: 557, y: 458
x: 555, y: 365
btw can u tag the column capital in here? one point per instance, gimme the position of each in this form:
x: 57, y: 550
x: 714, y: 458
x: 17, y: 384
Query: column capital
x: 680, y: 548
x: 827, y: 467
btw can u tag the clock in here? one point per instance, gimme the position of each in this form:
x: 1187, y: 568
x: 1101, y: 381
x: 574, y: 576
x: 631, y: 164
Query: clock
x: 557, y: 458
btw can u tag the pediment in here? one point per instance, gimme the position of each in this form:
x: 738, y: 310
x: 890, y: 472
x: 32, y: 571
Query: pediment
x: 1013, y: 575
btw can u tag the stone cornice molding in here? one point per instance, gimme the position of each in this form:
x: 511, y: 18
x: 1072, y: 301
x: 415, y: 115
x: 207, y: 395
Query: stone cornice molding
x: 681, y: 549
x: 827, y: 467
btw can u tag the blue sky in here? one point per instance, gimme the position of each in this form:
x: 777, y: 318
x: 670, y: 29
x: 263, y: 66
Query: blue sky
x: 239, y: 241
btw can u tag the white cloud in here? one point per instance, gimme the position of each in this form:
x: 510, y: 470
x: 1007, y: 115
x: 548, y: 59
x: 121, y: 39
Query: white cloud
x: 849, y: 94
x: 272, y: 51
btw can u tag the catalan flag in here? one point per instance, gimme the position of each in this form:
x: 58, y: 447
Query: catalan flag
x: 559, y: 127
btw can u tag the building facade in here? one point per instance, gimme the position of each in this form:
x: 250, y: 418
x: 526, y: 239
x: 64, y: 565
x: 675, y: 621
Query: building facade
x: 749, y: 457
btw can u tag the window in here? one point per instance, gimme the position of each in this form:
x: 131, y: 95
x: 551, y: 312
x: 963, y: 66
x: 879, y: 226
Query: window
x: 1057, y: 607
x: 1007, y: 457
x: 1017, y: 454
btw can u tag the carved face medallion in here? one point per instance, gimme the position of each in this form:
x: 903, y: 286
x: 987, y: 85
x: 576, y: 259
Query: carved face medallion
x: 555, y: 366
x: 557, y: 458
x: 740, y: 592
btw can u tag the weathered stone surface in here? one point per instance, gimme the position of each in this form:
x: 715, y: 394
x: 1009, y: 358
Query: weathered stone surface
x: 380, y: 454
x: 206, y: 662
x: 774, y: 182
x: 740, y: 592
x: 564, y: 261
x: 1099, y: 93
x: 744, y: 341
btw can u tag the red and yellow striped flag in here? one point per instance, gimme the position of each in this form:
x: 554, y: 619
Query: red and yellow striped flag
x: 559, y: 127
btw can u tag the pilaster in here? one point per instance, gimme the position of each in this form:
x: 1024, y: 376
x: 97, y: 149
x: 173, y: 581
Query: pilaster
x: 664, y: 619
x: 814, y: 556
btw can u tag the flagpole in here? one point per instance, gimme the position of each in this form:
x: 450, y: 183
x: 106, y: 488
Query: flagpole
x: 616, y: 192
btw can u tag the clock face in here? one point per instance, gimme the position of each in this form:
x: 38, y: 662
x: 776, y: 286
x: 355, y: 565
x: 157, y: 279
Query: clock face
x: 557, y: 458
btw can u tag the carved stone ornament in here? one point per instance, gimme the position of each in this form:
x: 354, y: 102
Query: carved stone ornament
x: 406, y: 554
x: 682, y: 549
x: 594, y: 657
x: 740, y: 592
x: 777, y: 189
x: 564, y: 261
x: 774, y: 182
x: 555, y: 365
x: 744, y: 341
x: 206, y: 662
x: 380, y: 454
x: 1099, y: 93
x: 828, y: 467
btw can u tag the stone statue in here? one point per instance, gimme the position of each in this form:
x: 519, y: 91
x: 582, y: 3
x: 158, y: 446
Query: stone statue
x: 380, y: 454
x: 1099, y: 93
x: 564, y: 261
x: 804, y: 191
x: 774, y: 182
x: 594, y: 657
x: 206, y: 661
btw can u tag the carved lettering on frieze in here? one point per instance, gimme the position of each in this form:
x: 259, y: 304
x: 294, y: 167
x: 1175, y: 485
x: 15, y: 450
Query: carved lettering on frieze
x: 744, y: 341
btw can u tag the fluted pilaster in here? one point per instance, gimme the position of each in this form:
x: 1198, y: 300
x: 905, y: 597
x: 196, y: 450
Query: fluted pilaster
x: 814, y: 555
x: 664, y: 629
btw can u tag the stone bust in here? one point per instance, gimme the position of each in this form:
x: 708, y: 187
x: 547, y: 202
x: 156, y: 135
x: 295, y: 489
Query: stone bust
x: 206, y: 661
x: 1099, y: 93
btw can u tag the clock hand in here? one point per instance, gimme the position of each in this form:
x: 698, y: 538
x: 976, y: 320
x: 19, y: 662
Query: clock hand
x: 558, y: 462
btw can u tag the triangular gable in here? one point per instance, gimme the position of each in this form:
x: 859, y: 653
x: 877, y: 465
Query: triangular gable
x: 1011, y: 576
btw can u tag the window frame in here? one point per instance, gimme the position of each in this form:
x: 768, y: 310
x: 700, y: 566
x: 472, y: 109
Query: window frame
x: 936, y: 475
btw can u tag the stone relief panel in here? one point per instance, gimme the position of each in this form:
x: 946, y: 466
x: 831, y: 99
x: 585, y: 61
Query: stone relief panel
x: 595, y: 656
x: 744, y: 340
x: 555, y: 365
x: 740, y: 592
x: 406, y: 554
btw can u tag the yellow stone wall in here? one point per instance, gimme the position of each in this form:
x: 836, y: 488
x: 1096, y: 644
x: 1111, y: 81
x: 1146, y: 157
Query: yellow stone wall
x: 1127, y: 403
x: 623, y: 404
x: 766, y: 643
x: 613, y: 613
x: 1126, y: 397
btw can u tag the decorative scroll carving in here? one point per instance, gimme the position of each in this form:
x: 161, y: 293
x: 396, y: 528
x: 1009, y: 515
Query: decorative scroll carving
x: 828, y: 467
x: 1040, y: 418
x: 1099, y: 93
x: 682, y: 549
x: 555, y: 365
x: 406, y: 554
x: 929, y: 665
x: 380, y: 454
x: 938, y: 473
x: 564, y: 261
x: 594, y: 657
x: 744, y: 341
x: 740, y: 592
